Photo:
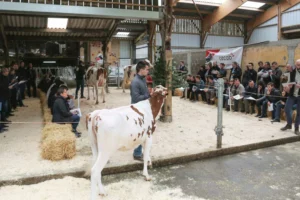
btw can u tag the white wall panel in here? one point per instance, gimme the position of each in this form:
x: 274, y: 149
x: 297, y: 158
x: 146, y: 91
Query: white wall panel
x: 142, y: 52
x: 125, y: 49
x: 214, y: 41
x: 270, y: 22
x: 181, y: 40
x: 264, y: 34
x: 295, y: 7
x: 291, y: 16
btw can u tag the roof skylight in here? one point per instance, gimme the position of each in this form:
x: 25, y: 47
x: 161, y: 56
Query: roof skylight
x: 57, y: 23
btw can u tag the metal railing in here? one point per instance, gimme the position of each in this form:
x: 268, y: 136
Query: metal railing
x: 144, y: 5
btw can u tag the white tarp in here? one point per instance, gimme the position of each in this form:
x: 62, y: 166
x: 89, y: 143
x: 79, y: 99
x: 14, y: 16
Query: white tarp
x: 227, y: 56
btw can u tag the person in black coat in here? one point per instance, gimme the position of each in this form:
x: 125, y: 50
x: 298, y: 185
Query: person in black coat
x: 22, y: 76
x: 4, y: 93
x: 53, y: 91
x: 80, y: 72
x: 61, y: 111
x: 202, y: 72
x: 235, y: 72
x: 31, y: 75
x: 275, y: 75
x: 249, y: 74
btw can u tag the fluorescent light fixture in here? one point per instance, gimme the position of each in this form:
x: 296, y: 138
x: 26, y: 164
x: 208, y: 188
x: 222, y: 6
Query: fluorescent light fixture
x: 251, y: 4
x: 57, y: 23
x: 49, y: 62
x: 123, y: 33
x: 203, y: 2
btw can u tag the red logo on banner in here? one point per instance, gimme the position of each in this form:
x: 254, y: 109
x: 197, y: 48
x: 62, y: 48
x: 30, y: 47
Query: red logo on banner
x: 210, y: 54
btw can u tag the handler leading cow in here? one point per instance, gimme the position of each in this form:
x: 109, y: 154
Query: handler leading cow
x: 122, y: 128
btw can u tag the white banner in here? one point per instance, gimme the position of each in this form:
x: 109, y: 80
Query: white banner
x: 228, y: 56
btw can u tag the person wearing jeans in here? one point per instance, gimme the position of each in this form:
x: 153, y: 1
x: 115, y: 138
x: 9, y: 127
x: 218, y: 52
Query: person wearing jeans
x: 139, y: 92
x: 294, y: 98
x: 61, y: 111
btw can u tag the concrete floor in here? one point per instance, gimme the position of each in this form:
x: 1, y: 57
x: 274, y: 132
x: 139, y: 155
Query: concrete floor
x: 271, y: 173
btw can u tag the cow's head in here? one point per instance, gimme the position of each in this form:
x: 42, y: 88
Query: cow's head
x: 157, y: 99
x: 160, y: 90
x: 149, y: 63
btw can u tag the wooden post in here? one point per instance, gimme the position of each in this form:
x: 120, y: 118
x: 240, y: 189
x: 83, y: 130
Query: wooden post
x: 133, y: 52
x: 105, y: 63
x: 166, y: 32
x: 279, y: 22
x: 151, y: 33
x: 85, y: 46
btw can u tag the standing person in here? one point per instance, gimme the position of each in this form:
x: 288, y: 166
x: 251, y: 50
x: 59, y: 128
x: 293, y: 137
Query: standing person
x: 202, y: 72
x: 215, y: 70
x: 264, y: 74
x: 182, y: 68
x: 31, y: 75
x: 235, y: 72
x: 22, y: 76
x: 222, y: 72
x: 260, y: 66
x: 275, y: 75
x: 4, y: 93
x: 249, y: 74
x: 294, y: 98
x: 139, y: 92
x: 80, y: 71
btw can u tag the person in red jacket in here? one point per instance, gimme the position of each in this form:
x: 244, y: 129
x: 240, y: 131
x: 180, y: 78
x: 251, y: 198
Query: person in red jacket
x: 149, y: 82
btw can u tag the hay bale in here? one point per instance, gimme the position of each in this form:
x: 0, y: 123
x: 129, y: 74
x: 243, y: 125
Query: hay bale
x: 178, y: 92
x: 43, y: 100
x: 47, y: 115
x: 38, y: 93
x: 59, y: 145
x: 55, y: 128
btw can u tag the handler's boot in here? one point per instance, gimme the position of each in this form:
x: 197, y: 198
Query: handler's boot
x: 288, y: 126
x: 297, y: 131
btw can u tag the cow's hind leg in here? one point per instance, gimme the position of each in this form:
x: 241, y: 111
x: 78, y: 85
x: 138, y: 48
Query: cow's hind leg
x: 103, y: 162
x: 96, y: 88
x: 88, y: 89
x: 96, y: 174
x: 103, y: 93
x: 147, y: 148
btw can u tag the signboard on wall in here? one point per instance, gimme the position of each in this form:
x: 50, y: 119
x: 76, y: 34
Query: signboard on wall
x: 226, y: 56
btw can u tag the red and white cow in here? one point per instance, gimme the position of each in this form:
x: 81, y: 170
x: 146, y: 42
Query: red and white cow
x: 96, y: 77
x: 123, y: 129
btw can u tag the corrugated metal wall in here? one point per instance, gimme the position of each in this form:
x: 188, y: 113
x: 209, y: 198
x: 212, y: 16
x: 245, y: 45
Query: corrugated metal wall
x: 181, y: 40
x: 142, y: 51
x: 125, y: 49
x: 214, y: 41
x: 291, y: 16
x: 268, y: 31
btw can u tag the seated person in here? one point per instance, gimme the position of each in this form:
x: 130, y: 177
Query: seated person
x: 52, y: 91
x: 210, y: 90
x: 281, y: 104
x: 189, y: 81
x: 61, y: 111
x: 250, y: 91
x: 196, y: 90
x: 237, y: 89
x: 271, y: 97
